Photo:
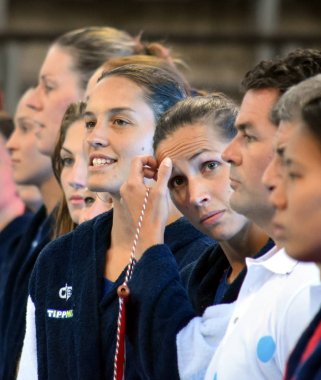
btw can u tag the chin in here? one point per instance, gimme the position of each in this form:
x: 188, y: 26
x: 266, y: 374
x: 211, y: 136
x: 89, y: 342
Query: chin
x: 302, y: 253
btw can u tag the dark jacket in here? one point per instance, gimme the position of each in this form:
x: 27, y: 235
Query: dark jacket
x: 76, y: 322
x: 14, y: 299
x: 9, y: 239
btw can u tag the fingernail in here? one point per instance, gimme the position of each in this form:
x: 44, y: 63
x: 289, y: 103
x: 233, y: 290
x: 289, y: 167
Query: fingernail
x: 167, y: 162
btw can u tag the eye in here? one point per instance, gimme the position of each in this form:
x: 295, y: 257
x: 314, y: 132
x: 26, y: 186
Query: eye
x: 176, y: 182
x: 120, y: 122
x: 48, y: 87
x: 293, y: 176
x: 248, y: 138
x: 89, y: 201
x: 89, y: 124
x: 23, y: 128
x: 67, y: 161
x: 210, y: 166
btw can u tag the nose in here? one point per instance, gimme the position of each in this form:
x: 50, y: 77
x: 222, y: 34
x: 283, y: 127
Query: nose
x: 198, y: 194
x: 11, y: 143
x: 76, y: 185
x: 271, y: 175
x: 231, y: 153
x: 78, y: 175
x: 278, y: 196
x: 35, y: 99
x: 97, y: 137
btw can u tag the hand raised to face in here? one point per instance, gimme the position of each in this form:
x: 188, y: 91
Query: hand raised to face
x: 133, y: 193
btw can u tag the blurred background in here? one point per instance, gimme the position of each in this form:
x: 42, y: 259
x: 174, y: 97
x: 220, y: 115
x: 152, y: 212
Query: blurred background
x: 218, y: 40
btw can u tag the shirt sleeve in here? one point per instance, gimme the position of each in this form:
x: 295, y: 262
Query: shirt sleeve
x: 158, y: 309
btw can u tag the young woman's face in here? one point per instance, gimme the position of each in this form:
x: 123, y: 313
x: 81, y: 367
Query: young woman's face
x: 199, y: 184
x: 298, y: 212
x: 73, y: 176
x: 101, y: 203
x: 120, y: 125
x: 30, y: 167
x: 58, y: 86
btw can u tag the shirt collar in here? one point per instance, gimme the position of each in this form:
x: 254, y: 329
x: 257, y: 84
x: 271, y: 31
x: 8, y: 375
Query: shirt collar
x: 276, y: 261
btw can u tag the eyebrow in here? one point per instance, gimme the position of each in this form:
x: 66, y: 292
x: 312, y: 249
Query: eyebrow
x: 112, y: 111
x: 65, y: 149
x: 195, y: 155
x: 280, y: 150
x: 243, y: 127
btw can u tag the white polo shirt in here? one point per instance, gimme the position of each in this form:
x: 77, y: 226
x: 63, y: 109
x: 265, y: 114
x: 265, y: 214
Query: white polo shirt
x: 277, y: 300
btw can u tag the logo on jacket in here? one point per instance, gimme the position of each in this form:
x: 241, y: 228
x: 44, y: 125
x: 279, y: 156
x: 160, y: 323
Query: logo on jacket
x: 65, y: 292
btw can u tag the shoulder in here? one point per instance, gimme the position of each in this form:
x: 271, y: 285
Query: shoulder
x: 201, y: 265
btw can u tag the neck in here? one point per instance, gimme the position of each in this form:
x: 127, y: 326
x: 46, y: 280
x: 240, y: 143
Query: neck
x: 14, y: 209
x: 245, y: 244
x: 50, y: 192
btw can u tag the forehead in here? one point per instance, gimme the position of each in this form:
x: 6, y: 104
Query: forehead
x: 57, y: 62
x: 76, y: 132
x: 256, y: 107
x: 303, y: 148
x: 188, y: 140
x: 22, y: 109
x: 114, y: 92
x: 93, y: 81
x: 284, y: 132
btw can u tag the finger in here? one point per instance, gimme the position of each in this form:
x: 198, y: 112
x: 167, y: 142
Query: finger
x: 164, y: 173
x: 140, y: 166
x: 149, y: 172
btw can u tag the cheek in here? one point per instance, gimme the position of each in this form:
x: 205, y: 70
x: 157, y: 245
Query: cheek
x: 55, y: 108
x: 64, y: 179
x: 179, y: 200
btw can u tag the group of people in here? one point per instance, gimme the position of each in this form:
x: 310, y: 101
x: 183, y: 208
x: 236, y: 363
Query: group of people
x: 175, y: 232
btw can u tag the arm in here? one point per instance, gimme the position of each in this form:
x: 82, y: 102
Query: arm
x: 28, y: 362
x: 158, y: 307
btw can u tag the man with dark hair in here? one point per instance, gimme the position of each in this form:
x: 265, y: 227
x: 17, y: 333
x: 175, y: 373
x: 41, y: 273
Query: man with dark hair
x: 274, y: 303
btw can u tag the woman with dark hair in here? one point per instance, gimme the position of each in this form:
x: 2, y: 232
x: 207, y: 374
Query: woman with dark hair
x: 81, y: 314
x: 69, y: 163
x: 188, y: 142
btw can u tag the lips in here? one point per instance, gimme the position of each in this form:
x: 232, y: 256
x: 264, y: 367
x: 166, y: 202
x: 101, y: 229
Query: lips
x: 100, y: 160
x: 211, y: 217
x: 76, y: 199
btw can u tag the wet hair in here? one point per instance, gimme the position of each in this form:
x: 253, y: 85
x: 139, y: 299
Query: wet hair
x: 162, y: 88
x: 289, y: 106
x: 73, y: 113
x: 216, y: 110
x: 161, y: 61
x: 63, y: 221
x: 302, y: 104
x: 92, y: 46
x: 311, y: 117
x: 282, y: 73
